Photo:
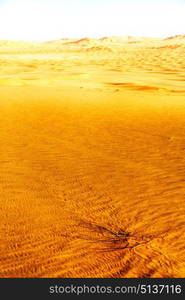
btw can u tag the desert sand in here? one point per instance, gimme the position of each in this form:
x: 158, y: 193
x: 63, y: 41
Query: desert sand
x: 92, y: 158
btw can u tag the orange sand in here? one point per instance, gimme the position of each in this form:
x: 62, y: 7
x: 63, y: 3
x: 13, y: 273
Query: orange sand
x: 92, y: 164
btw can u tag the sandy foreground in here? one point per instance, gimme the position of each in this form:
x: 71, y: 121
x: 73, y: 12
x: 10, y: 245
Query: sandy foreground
x: 92, y: 158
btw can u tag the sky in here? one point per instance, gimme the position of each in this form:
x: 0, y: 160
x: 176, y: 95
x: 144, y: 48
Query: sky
x: 44, y: 20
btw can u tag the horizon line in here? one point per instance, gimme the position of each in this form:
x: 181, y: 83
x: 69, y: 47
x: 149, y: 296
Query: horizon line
x: 92, y: 38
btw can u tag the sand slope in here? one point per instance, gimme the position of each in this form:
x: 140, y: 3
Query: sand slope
x: 92, y: 138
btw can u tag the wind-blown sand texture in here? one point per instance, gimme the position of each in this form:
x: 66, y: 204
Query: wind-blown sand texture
x: 92, y: 158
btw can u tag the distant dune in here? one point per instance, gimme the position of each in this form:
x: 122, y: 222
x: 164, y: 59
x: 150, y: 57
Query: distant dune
x: 90, y: 42
x: 176, y: 37
x: 92, y: 163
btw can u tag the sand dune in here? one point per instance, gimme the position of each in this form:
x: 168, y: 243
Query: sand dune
x: 92, y: 138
